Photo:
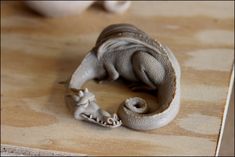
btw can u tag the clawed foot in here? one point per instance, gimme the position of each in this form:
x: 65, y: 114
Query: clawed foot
x: 113, y: 121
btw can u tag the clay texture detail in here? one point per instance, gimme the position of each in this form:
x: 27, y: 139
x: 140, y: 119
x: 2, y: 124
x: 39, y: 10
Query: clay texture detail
x: 124, y: 51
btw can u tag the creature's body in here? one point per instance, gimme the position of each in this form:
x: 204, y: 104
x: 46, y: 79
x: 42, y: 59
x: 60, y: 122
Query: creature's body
x: 123, y: 50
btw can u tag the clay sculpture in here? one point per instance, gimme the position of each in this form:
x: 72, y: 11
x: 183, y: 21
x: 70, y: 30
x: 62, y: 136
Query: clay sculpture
x: 124, y: 51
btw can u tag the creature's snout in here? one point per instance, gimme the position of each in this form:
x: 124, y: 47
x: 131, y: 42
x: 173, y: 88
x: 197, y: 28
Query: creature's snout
x: 87, y: 109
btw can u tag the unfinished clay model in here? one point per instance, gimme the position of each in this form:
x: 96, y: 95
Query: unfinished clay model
x: 122, y: 50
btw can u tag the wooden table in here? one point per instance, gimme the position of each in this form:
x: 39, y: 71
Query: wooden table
x: 37, y: 53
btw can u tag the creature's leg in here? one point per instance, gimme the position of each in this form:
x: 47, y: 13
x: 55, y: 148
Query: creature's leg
x: 111, y: 70
x: 148, y: 69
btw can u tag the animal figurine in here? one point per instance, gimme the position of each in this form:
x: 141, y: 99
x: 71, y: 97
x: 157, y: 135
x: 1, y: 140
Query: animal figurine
x: 124, y: 51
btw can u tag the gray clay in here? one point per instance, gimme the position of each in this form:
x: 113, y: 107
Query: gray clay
x: 122, y: 50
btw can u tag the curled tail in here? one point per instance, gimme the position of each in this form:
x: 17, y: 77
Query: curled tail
x: 135, y: 113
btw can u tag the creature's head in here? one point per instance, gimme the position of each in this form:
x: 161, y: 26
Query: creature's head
x: 87, y: 109
x: 84, y: 103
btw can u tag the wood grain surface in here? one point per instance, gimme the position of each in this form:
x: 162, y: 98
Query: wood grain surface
x: 38, y: 53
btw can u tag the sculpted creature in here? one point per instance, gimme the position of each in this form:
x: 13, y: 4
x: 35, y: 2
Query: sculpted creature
x: 122, y: 50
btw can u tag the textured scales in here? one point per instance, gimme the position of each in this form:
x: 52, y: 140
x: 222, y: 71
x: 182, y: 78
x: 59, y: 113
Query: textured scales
x: 122, y: 50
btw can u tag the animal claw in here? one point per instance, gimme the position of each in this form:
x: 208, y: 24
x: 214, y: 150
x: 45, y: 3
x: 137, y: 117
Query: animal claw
x: 115, y: 116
